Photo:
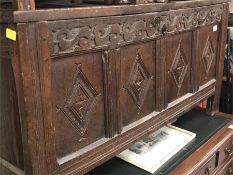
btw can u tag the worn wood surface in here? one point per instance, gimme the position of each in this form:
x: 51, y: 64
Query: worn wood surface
x: 30, y: 102
x: 231, y: 75
x: 10, y: 128
x: 5, y: 171
x: 91, y: 84
x: 10, y: 131
x: 100, y: 11
x: 213, y: 106
x: 84, y: 35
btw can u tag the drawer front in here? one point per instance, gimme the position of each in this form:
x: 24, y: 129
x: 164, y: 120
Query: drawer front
x: 227, y: 169
x: 209, y: 167
x: 226, y: 151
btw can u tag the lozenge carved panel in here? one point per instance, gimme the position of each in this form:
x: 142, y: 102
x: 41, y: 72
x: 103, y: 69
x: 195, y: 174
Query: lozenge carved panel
x: 78, y: 101
x: 207, y: 51
x: 178, y: 66
x: 137, y: 81
x: 208, y: 55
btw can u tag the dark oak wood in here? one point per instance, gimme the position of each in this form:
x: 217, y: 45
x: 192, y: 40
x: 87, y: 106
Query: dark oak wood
x: 30, y: 103
x: 178, y: 66
x: 214, y: 104
x: 10, y: 131
x: 100, y: 11
x: 231, y: 75
x: 10, y: 128
x: 85, y: 83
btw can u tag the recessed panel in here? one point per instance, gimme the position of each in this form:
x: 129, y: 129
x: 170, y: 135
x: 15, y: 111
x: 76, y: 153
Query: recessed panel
x: 78, y: 102
x: 207, y: 51
x: 137, y: 82
x: 178, y: 62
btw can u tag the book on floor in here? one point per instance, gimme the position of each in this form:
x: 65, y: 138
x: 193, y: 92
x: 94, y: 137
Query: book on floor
x: 151, y: 152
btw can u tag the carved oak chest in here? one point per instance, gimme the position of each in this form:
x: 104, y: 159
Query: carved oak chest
x: 87, y: 82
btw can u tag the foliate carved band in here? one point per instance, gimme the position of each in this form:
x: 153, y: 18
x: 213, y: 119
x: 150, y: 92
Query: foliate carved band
x: 109, y: 32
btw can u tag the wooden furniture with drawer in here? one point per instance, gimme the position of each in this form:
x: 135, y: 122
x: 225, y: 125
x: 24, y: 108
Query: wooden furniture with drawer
x: 82, y: 84
x: 213, y: 157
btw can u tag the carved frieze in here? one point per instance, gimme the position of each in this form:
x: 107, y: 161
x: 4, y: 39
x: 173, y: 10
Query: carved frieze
x: 111, y: 32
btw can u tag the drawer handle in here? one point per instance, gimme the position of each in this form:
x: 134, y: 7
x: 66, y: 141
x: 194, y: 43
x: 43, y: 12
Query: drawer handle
x: 207, y: 170
x: 228, y: 152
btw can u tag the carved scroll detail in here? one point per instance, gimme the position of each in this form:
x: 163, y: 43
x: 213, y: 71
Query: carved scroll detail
x: 88, y: 34
x: 208, y: 55
x: 179, y: 67
x: 79, y: 102
x: 139, y: 81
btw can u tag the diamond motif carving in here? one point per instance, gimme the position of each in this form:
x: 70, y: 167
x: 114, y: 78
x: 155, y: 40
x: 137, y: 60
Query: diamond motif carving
x: 80, y: 102
x: 138, y: 82
x: 208, y: 55
x: 179, y: 67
